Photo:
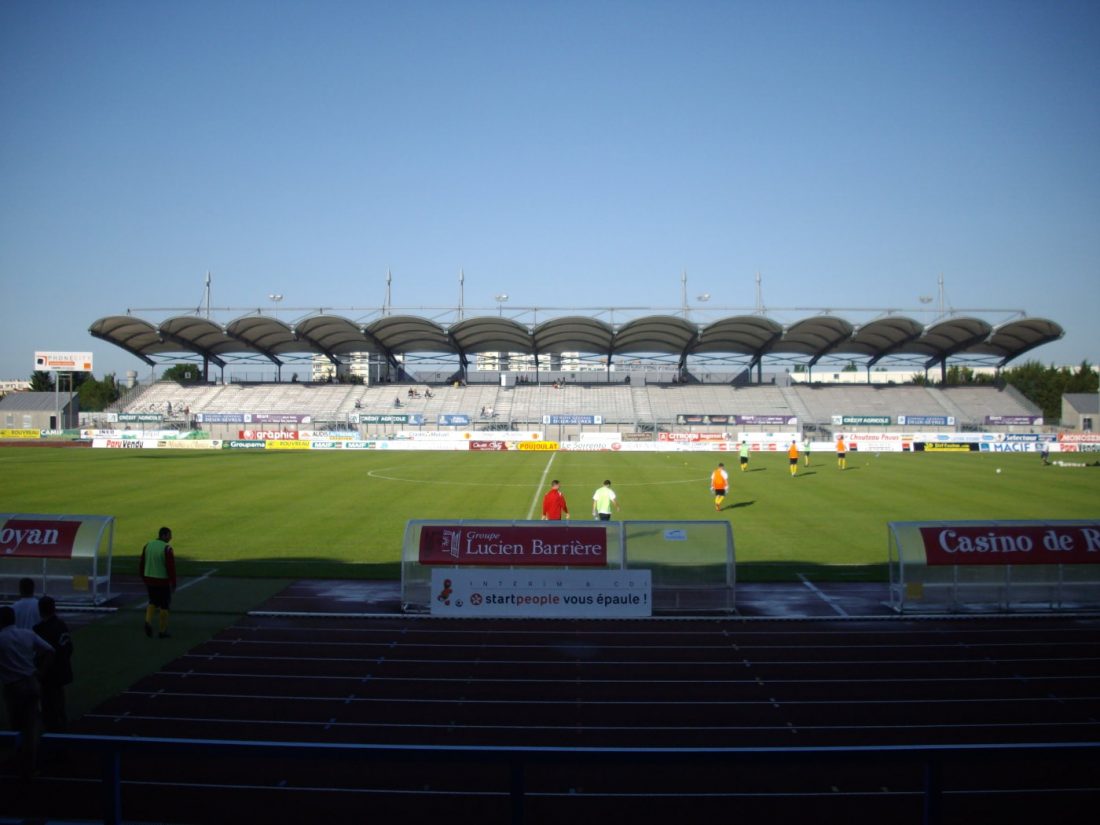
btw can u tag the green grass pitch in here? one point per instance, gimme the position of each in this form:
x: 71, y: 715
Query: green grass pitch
x: 344, y: 514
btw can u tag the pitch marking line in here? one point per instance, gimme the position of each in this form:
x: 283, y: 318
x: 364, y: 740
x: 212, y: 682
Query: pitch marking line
x: 824, y: 597
x: 539, y: 487
x: 182, y: 587
x: 381, y: 473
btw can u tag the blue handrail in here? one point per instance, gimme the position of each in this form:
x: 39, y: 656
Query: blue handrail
x: 517, y: 757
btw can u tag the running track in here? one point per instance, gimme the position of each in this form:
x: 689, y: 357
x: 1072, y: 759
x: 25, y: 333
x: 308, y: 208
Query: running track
x: 652, y: 683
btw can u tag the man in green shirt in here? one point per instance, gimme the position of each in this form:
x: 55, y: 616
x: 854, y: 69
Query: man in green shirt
x: 158, y: 571
x: 602, y: 502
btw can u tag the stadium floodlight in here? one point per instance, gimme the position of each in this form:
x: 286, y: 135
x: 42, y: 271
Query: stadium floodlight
x: 275, y: 297
x: 500, y: 299
x: 926, y: 299
x: 703, y: 298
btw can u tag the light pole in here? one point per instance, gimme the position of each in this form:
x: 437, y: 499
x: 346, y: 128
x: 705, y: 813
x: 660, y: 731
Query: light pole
x: 501, y: 298
x: 275, y: 297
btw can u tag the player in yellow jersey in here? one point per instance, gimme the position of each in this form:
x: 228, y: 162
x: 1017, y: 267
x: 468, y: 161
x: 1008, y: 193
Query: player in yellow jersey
x: 841, y: 451
x: 792, y: 454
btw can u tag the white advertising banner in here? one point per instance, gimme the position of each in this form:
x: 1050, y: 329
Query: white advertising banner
x: 63, y: 361
x: 601, y: 437
x: 877, y: 442
x: 542, y: 593
x: 769, y: 442
x: 467, y: 435
x: 592, y: 445
x: 124, y: 443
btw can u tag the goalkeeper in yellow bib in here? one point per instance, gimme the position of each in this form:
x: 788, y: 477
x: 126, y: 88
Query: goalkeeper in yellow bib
x: 719, y: 485
x: 158, y: 571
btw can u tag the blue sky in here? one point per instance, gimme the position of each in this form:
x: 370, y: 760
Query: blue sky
x: 568, y: 153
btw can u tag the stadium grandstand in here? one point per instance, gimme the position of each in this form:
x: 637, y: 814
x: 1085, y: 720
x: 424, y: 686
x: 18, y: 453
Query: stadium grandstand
x: 616, y: 407
x: 654, y: 348
x: 632, y: 369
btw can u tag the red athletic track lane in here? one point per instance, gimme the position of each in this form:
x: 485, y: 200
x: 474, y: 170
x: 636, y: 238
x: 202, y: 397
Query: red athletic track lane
x: 651, y: 683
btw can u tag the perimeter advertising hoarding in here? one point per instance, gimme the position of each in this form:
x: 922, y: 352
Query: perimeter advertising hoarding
x: 1015, y: 447
x: 267, y: 435
x: 1036, y: 543
x: 487, y: 446
x: 550, y: 593
x: 513, y: 546
x: 242, y: 444
x: 1079, y: 438
x: 592, y: 446
x: 20, y: 433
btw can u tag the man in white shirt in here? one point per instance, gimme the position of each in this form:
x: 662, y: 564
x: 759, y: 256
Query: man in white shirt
x: 26, y: 608
x: 19, y: 672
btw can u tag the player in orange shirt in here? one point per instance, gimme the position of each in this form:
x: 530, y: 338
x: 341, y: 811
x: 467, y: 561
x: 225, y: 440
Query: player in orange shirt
x: 792, y: 454
x: 841, y: 449
x: 719, y: 485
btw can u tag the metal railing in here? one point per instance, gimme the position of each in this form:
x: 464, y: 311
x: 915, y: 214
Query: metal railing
x: 518, y: 758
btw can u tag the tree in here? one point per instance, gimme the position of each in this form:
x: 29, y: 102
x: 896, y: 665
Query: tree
x: 1086, y: 379
x: 1045, y: 386
x: 41, y: 381
x: 96, y: 396
x: 183, y: 373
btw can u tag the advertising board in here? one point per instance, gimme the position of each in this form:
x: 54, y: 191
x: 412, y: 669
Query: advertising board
x: 558, y: 593
x: 1012, y: 544
x: 63, y: 361
x: 514, y: 546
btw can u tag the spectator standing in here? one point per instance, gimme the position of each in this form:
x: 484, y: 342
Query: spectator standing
x: 603, y: 500
x: 158, y: 571
x: 26, y: 607
x: 719, y: 485
x: 59, y: 673
x: 553, y: 503
x: 22, y: 691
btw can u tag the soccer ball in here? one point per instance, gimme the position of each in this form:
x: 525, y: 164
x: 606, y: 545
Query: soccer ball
x: 998, y: 471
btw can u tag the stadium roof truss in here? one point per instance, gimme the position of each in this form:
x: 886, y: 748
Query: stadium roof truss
x: 743, y: 340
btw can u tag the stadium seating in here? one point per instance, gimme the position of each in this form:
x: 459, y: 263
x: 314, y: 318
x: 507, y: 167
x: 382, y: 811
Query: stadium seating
x: 622, y: 405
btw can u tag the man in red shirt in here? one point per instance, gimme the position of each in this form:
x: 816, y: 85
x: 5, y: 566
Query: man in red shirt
x: 553, y: 504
